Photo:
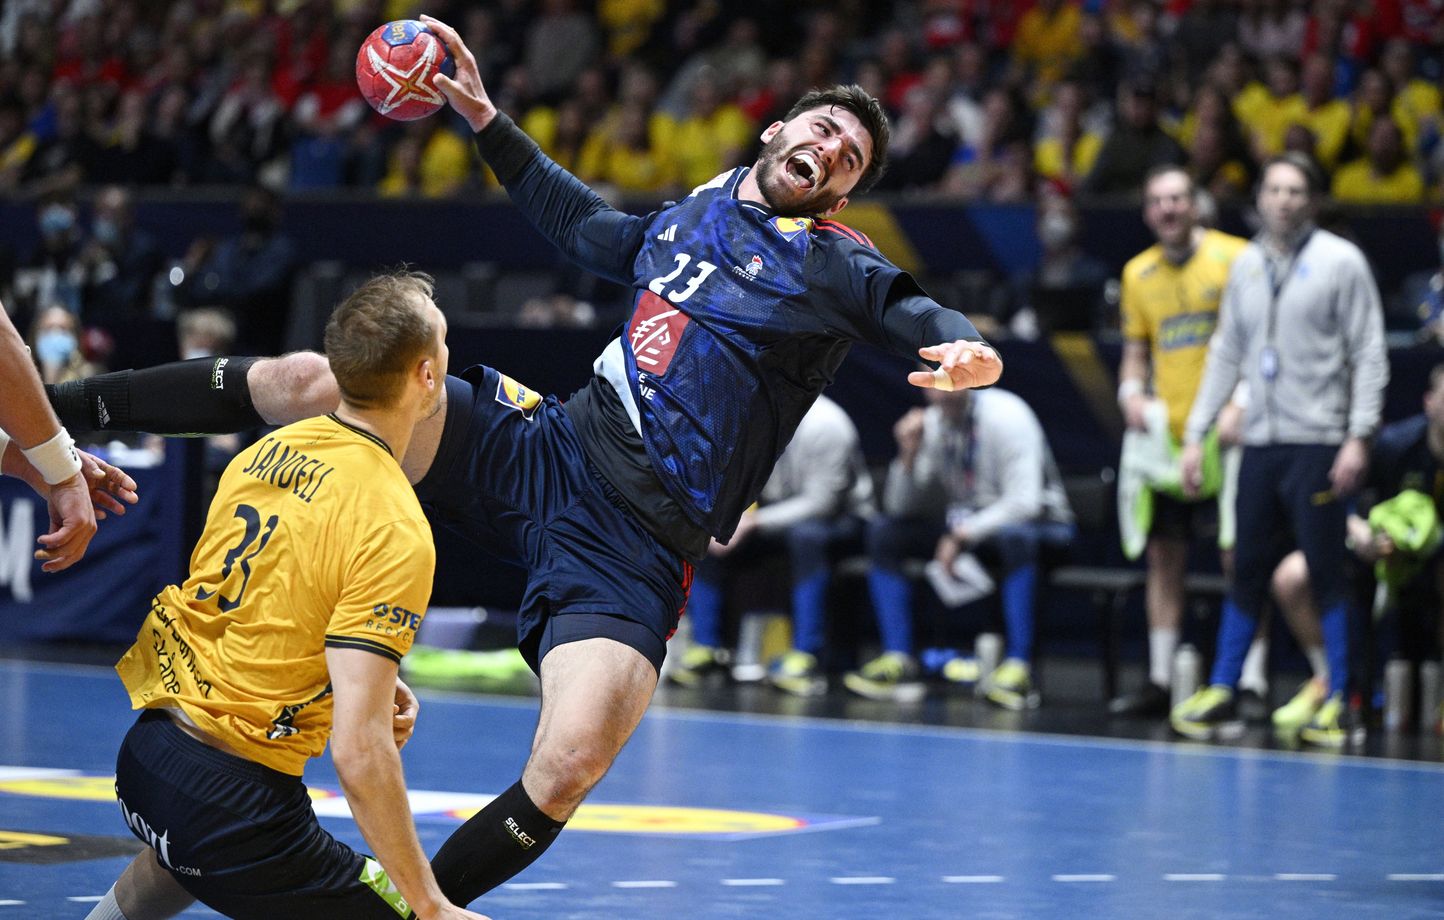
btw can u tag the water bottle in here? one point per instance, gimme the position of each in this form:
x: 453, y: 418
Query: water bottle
x: 1187, y: 673
x: 1429, y: 697
x: 988, y: 647
x: 1398, y: 694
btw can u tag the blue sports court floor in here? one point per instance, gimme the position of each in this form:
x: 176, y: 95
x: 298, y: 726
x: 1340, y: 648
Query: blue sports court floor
x: 710, y: 816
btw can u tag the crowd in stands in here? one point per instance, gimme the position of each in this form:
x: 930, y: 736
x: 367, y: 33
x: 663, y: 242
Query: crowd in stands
x: 989, y: 99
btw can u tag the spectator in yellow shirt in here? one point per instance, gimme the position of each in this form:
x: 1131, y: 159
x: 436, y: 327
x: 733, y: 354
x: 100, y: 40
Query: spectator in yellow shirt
x: 622, y: 154
x: 1326, y: 116
x: 1046, y: 43
x: 1216, y: 161
x: 1284, y: 106
x: 1385, y: 175
x: 1416, y: 101
x: 712, y: 138
x: 1373, y: 98
x: 560, y: 131
x: 1231, y: 73
x: 1068, y: 150
x: 429, y: 161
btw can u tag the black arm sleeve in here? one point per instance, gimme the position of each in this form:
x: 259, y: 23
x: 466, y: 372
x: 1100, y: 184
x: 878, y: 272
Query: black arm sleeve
x: 864, y: 296
x: 575, y: 219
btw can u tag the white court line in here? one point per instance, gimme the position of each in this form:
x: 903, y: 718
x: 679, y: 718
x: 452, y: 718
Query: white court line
x: 972, y: 879
x: 1194, y: 877
x: 752, y: 882
x: 1416, y: 877
x: 536, y: 886
x: 645, y: 884
x: 11, y: 903
x: 1305, y: 876
x: 86, y: 899
x: 1100, y: 877
x: 862, y: 880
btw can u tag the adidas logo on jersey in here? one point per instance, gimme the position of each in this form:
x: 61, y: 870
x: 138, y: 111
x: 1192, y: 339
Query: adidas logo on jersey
x: 669, y: 235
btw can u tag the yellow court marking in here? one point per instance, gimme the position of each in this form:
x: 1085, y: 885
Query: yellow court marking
x: 19, y: 840
x: 616, y: 819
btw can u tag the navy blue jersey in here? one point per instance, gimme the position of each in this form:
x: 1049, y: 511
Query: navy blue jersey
x: 1401, y: 459
x: 740, y: 318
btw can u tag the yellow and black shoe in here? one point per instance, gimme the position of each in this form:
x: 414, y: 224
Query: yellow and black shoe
x: 1291, y: 717
x: 1010, y: 686
x: 1204, y: 715
x: 698, y: 661
x: 1326, y: 728
x: 892, y: 676
x: 798, y: 673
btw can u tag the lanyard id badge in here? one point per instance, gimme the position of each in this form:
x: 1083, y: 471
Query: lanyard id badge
x: 1268, y: 363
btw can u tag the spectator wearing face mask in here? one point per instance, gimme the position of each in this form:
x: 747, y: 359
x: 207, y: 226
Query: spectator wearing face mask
x: 55, y: 344
x: 1065, y: 289
x: 53, y: 273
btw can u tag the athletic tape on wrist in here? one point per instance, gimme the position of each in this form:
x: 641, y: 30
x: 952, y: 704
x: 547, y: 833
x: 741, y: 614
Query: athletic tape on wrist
x: 56, y: 459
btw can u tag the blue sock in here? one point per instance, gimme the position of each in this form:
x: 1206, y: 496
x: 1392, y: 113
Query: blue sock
x: 1019, y: 588
x: 809, y: 597
x: 892, y: 599
x: 1235, y: 632
x: 1336, y: 646
x: 704, y: 606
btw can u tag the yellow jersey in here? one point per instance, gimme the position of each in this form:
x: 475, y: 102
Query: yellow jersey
x: 1174, y: 308
x: 314, y: 539
x: 1355, y: 183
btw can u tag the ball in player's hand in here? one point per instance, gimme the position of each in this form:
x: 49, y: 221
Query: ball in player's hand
x: 396, y: 66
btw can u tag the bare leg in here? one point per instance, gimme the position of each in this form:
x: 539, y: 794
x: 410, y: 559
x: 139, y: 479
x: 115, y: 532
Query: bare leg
x: 594, y: 693
x: 1167, y: 565
x: 146, y: 891
x: 292, y: 387
x: 1291, y: 590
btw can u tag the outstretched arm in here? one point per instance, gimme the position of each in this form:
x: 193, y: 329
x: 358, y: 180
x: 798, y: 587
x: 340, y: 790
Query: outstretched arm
x: 203, y: 396
x: 575, y: 219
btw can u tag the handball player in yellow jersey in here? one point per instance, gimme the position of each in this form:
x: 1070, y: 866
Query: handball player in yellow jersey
x: 305, y: 589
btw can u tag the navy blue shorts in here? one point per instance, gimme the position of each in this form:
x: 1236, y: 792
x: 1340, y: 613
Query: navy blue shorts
x: 241, y: 837
x: 510, y: 475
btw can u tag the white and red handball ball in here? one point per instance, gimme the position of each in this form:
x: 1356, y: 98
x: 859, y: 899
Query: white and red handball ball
x: 396, y: 67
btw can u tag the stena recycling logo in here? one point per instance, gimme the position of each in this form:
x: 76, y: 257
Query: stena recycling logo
x: 17, y: 536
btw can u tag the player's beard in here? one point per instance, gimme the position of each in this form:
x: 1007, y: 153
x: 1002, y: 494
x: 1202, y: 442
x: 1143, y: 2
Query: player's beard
x: 780, y: 194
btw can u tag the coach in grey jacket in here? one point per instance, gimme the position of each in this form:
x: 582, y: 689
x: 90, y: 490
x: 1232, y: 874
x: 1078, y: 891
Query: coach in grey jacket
x: 1302, y: 323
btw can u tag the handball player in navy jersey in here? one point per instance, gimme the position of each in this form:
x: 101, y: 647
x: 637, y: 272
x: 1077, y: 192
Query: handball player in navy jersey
x: 746, y: 298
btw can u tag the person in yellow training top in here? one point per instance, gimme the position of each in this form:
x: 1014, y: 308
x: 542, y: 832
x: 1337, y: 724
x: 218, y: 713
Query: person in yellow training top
x: 305, y: 590
x: 1170, y: 299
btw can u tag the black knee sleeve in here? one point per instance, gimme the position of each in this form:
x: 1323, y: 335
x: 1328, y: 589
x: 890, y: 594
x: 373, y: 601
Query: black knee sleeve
x: 199, y: 397
x: 495, y: 844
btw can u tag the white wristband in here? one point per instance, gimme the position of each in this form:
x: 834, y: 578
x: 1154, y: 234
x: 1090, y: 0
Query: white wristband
x: 56, y: 459
x: 1127, y: 389
x: 4, y: 442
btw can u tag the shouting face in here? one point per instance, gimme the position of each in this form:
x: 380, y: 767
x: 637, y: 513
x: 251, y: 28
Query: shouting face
x: 811, y: 163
